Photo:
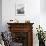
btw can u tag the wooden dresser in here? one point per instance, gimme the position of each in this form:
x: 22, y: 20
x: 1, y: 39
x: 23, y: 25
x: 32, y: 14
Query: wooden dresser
x: 22, y: 33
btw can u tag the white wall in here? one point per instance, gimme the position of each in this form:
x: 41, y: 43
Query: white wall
x: 0, y: 15
x: 43, y: 14
x: 43, y: 6
x: 32, y: 13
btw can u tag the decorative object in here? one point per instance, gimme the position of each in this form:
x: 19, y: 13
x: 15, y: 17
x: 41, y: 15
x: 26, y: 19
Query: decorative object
x: 41, y: 36
x: 19, y: 9
x: 27, y: 21
x: 13, y: 21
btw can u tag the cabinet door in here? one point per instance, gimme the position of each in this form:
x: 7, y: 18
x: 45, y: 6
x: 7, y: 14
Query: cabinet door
x: 20, y: 37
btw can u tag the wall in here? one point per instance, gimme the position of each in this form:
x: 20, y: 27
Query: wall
x: 43, y: 6
x: 33, y: 12
x: 0, y: 15
x: 43, y: 14
x: 31, y: 9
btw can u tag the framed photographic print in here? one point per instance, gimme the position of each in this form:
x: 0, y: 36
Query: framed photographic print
x: 19, y: 9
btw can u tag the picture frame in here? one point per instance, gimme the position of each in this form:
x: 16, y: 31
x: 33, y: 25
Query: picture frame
x: 20, y: 9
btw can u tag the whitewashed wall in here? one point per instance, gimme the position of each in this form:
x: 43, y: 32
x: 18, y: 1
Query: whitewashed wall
x: 33, y: 13
x: 0, y: 15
